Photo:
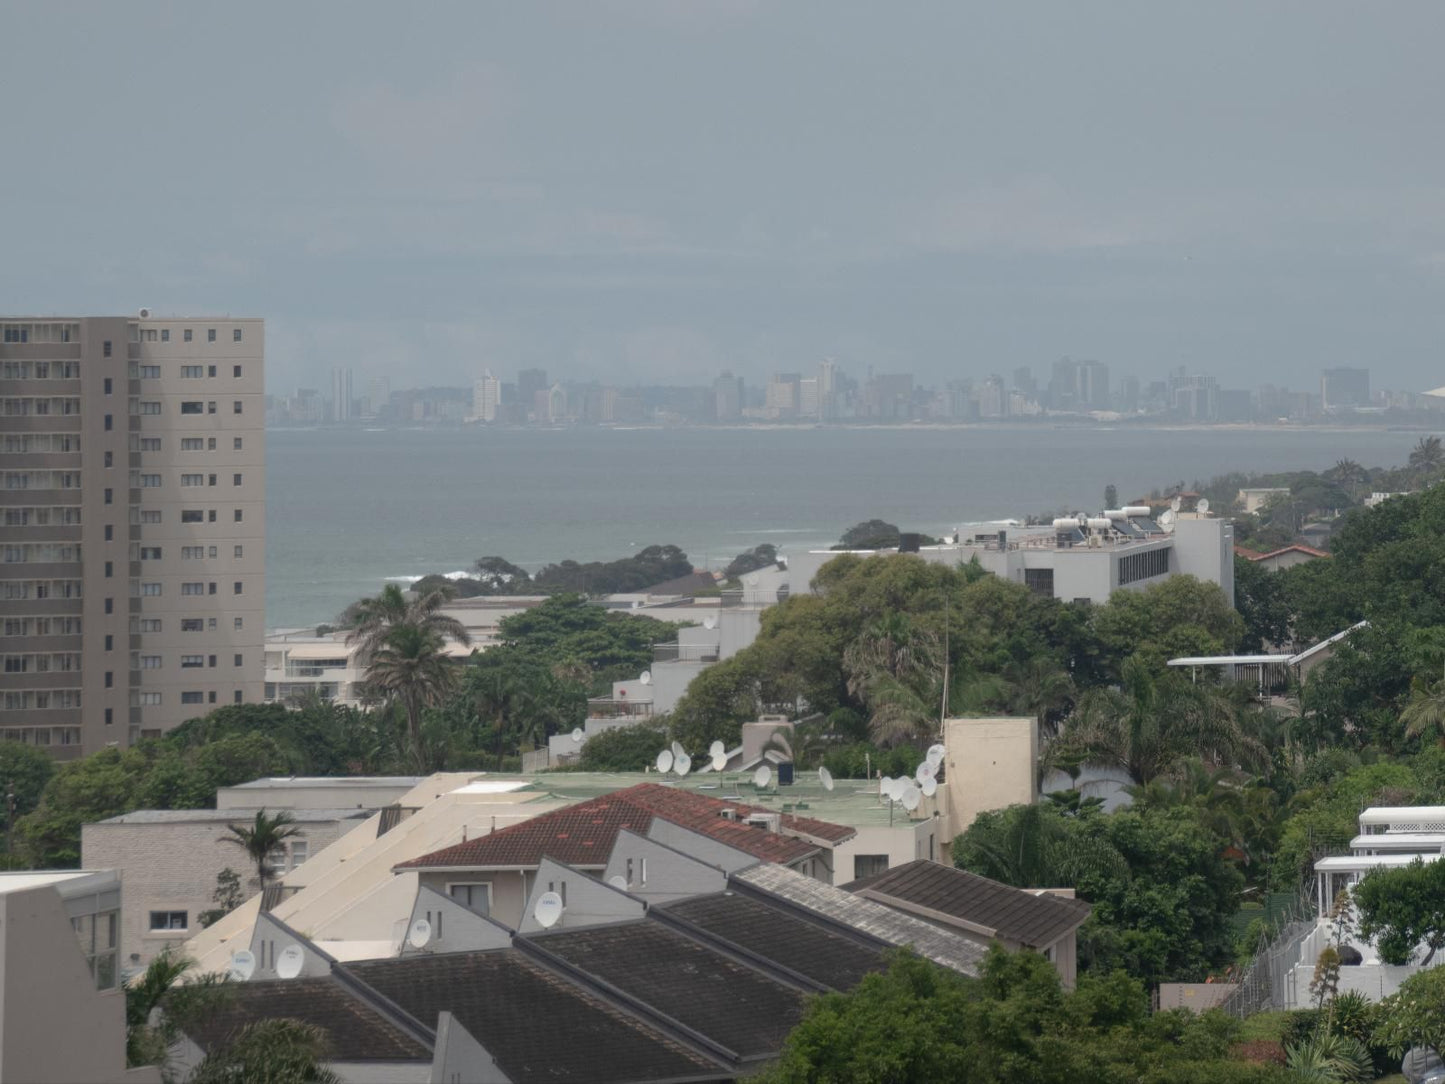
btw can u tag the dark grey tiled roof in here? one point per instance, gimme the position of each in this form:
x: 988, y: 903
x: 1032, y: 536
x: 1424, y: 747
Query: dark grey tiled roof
x: 884, y: 923
x: 734, y: 1006
x: 537, y: 1025
x: 829, y: 959
x: 1035, y: 921
x: 354, y: 1030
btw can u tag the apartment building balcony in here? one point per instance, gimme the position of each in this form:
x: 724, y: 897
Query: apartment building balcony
x: 604, y: 707
x: 685, y: 653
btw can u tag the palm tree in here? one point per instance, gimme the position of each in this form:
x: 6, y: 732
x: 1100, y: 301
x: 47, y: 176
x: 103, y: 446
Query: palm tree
x: 1427, y: 455
x: 1030, y: 847
x: 409, y: 665
x: 1042, y: 688
x: 896, y: 669
x: 1426, y: 709
x: 275, y: 1051
x: 143, y: 1044
x: 261, y: 838
x: 377, y: 617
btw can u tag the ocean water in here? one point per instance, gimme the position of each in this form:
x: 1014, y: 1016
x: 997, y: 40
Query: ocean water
x: 349, y: 508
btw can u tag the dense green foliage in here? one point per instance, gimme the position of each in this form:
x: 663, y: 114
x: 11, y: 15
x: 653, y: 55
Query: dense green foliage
x: 626, y: 749
x: 750, y: 561
x: 498, y: 576
x: 1402, y: 908
x: 1012, y: 1025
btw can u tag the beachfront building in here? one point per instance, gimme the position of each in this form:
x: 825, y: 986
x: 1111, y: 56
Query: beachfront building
x: 1079, y: 558
x: 132, y: 525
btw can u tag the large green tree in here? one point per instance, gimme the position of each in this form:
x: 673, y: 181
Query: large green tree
x: 262, y: 839
x: 1402, y: 908
x: 411, y: 666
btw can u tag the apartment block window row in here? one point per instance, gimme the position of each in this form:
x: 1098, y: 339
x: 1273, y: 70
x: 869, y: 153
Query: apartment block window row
x: 146, y: 624
x: 193, y: 479
x: 147, y: 662
x: 21, y: 443
x: 145, y: 444
x: 148, y: 553
x: 40, y: 626
x: 44, y: 516
x: 39, y: 589
x: 43, y: 552
x: 192, y: 372
x: 40, y: 370
x: 145, y: 372
x: 193, y: 444
x: 145, y: 481
x: 192, y: 553
x: 150, y: 516
x: 146, y: 407
x: 41, y: 333
x: 193, y: 697
x: 196, y: 588
x: 42, y: 479
x: 41, y: 699
x: 27, y: 406
x: 41, y: 735
x: 150, y: 590
x: 50, y: 662
x: 145, y: 699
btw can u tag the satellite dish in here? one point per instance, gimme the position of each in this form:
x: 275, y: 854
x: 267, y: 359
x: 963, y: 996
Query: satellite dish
x: 710, y: 623
x: 896, y: 789
x: 618, y: 882
x: 578, y: 734
x: 826, y: 778
x: 636, y: 604
x: 929, y: 787
x: 911, y: 797
x: 682, y: 764
x: 885, y: 787
x: 1176, y: 504
x: 243, y: 965
x: 1166, y: 518
x: 664, y: 761
x: 678, y: 750
x: 762, y: 777
x: 923, y: 771
x: 1202, y: 506
x: 719, y: 762
x: 419, y: 934
x: 646, y: 678
x: 547, y: 910
x: 290, y: 962
x: 936, y: 753
x: 716, y: 749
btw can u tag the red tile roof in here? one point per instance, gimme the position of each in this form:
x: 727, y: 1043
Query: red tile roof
x: 1252, y: 555
x: 583, y: 834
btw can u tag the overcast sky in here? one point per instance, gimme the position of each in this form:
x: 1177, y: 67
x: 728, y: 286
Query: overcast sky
x: 641, y: 190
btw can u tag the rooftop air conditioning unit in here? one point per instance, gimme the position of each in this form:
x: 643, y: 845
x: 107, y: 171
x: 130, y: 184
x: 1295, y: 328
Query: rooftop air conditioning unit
x: 769, y: 822
x: 728, y: 814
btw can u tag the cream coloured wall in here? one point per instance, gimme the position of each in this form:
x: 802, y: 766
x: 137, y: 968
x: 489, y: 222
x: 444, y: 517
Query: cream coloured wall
x: 989, y: 764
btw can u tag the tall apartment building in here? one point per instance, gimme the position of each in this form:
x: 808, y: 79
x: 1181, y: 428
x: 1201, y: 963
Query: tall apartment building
x: 343, y: 398
x: 486, y: 397
x: 132, y: 525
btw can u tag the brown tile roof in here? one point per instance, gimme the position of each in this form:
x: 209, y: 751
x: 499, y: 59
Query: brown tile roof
x: 354, y: 1031
x: 536, y: 1024
x: 1295, y: 547
x: 1035, y: 921
x: 583, y: 834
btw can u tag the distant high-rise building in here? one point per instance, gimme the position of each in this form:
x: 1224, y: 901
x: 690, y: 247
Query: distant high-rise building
x: 827, y: 389
x: 529, y: 383
x: 1024, y: 381
x: 343, y: 399
x: 993, y: 398
x: 1344, y: 389
x: 378, y: 394
x: 1064, y: 385
x: 728, y: 398
x: 486, y: 397
x: 1091, y: 385
x: 134, y: 525
x: 1194, y: 397
x: 808, y: 404
x: 782, y: 396
x: 889, y: 397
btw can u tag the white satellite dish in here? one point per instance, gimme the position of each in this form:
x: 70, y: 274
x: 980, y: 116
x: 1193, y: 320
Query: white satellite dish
x: 578, y: 734
x: 1166, y: 519
x: 243, y: 965
x: 716, y: 749
x: 709, y: 623
x: 664, y: 761
x: 911, y: 797
x: 290, y: 962
x: 547, y: 910
x: 1202, y: 506
x: 929, y: 787
x: 897, y: 789
x: 936, y: 753
x: 762, y: 777
x: 1176, y: 504
x: 418, y: 935
x: 618, y: 882
x: 719, y: 762
x: 923, y: 771
x: 646, y: 677
x: 636, y: 604
x: 678, y: 750
x: 885, y: 787
x: 826, y: 778
x: 682, y: 765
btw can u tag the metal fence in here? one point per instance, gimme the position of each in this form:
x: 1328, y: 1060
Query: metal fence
x: 1265, y: 983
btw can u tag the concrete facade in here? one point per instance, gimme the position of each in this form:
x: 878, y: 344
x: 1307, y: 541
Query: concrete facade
x: 133, y: 526
x: 990, y: 764
x: 169, y: 861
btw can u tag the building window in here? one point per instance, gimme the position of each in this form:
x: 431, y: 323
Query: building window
x: 210, y: 335
x: 236, y: 588
x: 213, y: 479
x: 109, y: 678
x: 211, y: 696
x: 165, y: 334
x: 211, y: 516
x: 150, y: 662
x: 107, y: 385
x: 238, y: 515
x: 110, y: 605
x: 109, y: 641
x: 192, y: 372
x: 186, y: 335
x: 105, y: 348
x: 192, y: 624
x: 300, y: 851
x: 236, y: 407
x: 169, y: 920
x: 1040, y: 581
x: 192, y: 515
x: 236, y: 624
x: 192, y: 406
x: 109, y: 570
x: 109, y: 532
x: 211, y: 371
x: 191, y: 662
x: 150, y: 589
x: 236, y: 698
x: 193, y: 589
x: 108, y: 422
x: 236, y: 443
x: 212, y: 586
x: 866, y: 865
x: 109, y: 716
x: 193, y: 444
x: 1141, y: 566
x: 150, y: 553
x: 476, y: 896
x: 193, y: 479
x: 235, y: 479
x: 97, y: 934
x: 109, y: 497
x: 193, y: 698
x: 210, y: 406
x: 236, y: 371
x: 238, y: 660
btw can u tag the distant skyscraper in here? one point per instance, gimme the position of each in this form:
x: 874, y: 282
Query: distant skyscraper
x: 1091, y: 385
x: 827, y: 389
x: 343, y: 399
x: 727, y: 393
x: 486, y: 397
x: 782, y: 397
x: 808, y: 404
x: 529, y: 383
x: 1344, y: 388
x: 1064, y: 385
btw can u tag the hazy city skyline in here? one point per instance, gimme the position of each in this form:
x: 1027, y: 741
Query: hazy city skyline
x: 636, y: 191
